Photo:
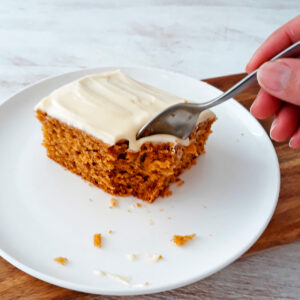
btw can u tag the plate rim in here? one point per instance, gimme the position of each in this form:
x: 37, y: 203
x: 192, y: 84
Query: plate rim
x: 97, y: 291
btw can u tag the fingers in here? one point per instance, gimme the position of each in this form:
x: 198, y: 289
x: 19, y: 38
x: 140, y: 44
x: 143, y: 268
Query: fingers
x: 285, y: 123
x: 278, y: 41
x: 281, y: 79
x: 295, y: 140
x: 265, y: 105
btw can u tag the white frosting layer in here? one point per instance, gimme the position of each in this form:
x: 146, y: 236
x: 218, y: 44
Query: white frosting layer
x: 111, y: 106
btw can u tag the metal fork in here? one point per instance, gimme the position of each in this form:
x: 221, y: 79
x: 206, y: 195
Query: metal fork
x: 180, y: 119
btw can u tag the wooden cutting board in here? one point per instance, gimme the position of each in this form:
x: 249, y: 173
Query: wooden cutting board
x: 284, y: 227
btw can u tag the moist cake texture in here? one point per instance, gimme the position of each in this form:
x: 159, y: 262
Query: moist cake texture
x: 90, y: 125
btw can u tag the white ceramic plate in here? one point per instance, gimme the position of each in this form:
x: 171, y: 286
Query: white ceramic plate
x: 228, y: 199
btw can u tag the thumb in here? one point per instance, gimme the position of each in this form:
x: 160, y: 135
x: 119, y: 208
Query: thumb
x: 281, y: 79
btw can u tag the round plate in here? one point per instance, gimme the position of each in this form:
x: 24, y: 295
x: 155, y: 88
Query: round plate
x: 45, y: 211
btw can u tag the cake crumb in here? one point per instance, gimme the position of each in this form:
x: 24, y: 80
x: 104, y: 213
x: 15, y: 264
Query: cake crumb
x: 131, y: 257
x: 97, y: 240
x: 138, y: 204
x: 129, y: 210
x: 110, y: 231
x: 61, y: 260
x: 90, y: 185
x: 151, y: 222
x: 180, y: 240
x: 161, y: 209
x: 169, y: 218
x: 99, y: 273
x: 113, y: 202
x: 185, y: 101
x: 180, y: 182
x: 116, y: 277
x: 90, y: 200
x: 154, y: 258
x: 146, y: 283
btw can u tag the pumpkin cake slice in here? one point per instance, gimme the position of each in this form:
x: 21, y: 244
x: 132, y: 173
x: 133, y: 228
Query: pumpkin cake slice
x: 90, y: 127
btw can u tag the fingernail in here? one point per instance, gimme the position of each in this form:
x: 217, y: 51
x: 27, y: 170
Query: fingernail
x: 274, y: 76
x: 273, y: 126
x: 255, y: 102
x: 251, y: 107
x: 291, y: 142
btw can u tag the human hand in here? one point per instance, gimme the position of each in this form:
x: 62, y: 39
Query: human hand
x: 280, y: 85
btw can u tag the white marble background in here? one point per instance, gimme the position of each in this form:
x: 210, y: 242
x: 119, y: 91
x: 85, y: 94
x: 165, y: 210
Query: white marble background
x: 204, y: 38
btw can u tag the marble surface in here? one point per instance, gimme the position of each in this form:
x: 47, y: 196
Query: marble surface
x: 204, y: 38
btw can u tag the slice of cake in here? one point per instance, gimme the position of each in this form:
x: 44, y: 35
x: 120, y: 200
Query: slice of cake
x: 90, y: 128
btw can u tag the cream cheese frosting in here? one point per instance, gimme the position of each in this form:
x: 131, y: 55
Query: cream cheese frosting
x: 112, y: 106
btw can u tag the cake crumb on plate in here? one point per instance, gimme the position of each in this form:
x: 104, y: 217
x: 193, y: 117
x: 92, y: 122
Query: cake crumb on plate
x: 113, y: 202
x: 97, y: 240
x: 180, y: 240
x: 110, y: 232
x: 154, y: 258
x: 132, y: 257
x: 61, y: 260
x: 123, y: 279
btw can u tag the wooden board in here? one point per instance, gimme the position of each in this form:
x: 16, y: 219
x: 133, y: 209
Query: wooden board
x: 284, y: 227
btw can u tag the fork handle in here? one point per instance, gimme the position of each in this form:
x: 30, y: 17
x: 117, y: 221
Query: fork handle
x: 292, y: 51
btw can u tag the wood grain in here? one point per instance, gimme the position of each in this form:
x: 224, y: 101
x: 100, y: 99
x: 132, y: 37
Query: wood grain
x: 284, y: 228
